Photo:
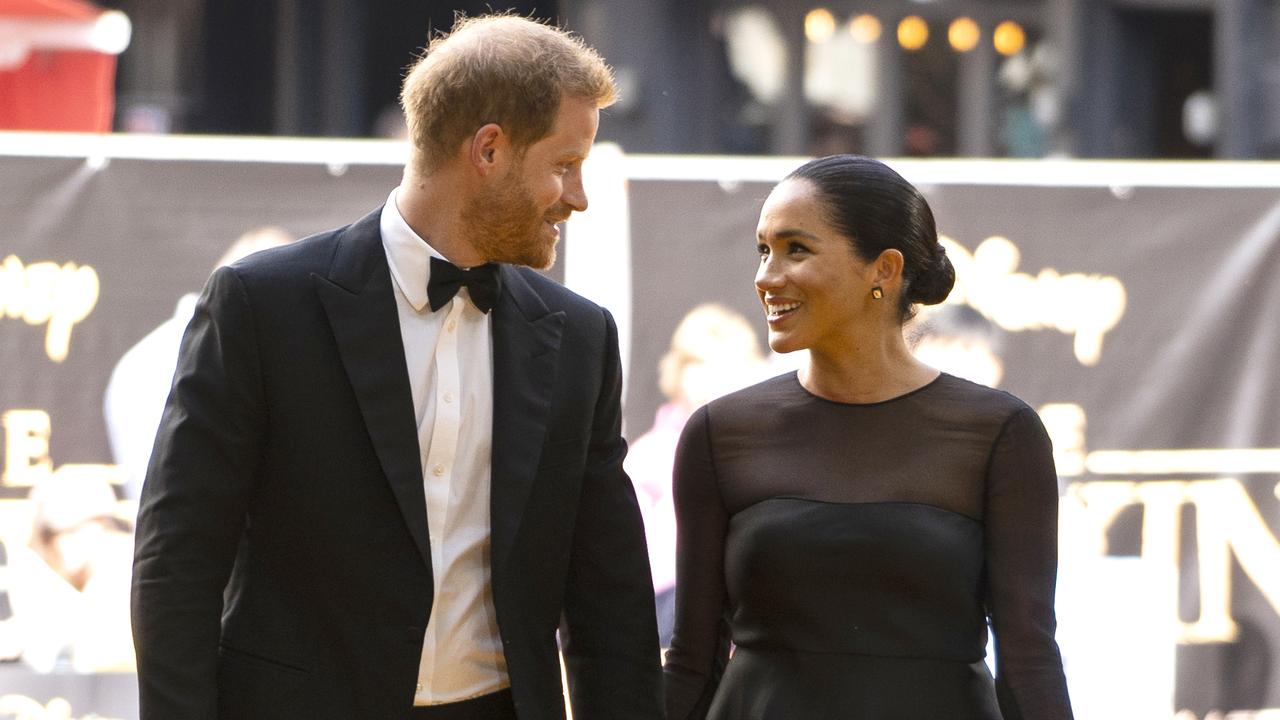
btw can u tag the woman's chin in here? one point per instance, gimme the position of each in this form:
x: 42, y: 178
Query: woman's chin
x: 783, y: 343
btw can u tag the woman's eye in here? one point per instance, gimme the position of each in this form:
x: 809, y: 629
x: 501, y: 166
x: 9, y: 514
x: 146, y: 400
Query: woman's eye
x: 794, y: 248
x: 762, y: 250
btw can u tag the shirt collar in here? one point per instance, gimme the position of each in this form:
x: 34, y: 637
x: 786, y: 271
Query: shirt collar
x: 408, y: 255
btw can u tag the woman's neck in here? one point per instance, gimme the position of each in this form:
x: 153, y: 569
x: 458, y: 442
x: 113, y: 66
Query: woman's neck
x: 865, y: 369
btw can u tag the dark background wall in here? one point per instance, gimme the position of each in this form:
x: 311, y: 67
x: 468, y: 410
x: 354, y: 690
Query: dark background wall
x: 278, y: 67
x: 1111, y: 81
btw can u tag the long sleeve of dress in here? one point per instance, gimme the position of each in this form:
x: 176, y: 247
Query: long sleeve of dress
x: 700, y: 644
x: 1020, y: 521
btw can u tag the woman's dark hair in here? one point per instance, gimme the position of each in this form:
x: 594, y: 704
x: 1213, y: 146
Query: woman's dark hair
x: 877, y: 210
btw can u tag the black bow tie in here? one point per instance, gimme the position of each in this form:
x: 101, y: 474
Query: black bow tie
x: 482, y: 283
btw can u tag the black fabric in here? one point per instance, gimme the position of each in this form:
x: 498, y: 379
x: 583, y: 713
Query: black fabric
x: 482, y: 282
x: 853, y: 554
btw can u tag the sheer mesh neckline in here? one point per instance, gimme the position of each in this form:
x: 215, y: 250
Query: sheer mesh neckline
x: 795, y: 378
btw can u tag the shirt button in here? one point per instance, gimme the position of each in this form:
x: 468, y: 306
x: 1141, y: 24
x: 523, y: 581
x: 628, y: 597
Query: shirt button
x: 438, y: 470
x: 419, y: 687
x: 448, y: 397
x: 453, y: 325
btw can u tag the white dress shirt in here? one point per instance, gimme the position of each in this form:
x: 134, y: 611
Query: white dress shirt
x: 449, y: 354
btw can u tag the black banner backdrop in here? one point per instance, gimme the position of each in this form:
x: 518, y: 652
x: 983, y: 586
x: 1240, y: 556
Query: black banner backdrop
x: 1134, y: 306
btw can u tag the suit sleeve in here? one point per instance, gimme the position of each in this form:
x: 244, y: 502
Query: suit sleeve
x: 193, y: 505
x: 1021, y: 520
x: 610, y: 634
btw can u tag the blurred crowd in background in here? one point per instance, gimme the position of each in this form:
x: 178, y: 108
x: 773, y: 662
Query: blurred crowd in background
x: 927, y: 78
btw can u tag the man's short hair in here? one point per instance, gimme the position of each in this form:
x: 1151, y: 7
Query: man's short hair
x: 501, y: 69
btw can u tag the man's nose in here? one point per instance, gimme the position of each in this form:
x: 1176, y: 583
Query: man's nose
x: 575, y: 194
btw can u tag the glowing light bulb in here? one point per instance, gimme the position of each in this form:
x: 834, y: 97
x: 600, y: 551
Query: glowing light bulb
x: 964, y: 34
x: 865, y: 29
x: 1009, y: 38
x: 819, y: 25
x: 913, y: 32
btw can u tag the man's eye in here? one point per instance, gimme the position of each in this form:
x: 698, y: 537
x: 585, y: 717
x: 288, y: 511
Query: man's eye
x: 797, y: 248
x: 762, y: 249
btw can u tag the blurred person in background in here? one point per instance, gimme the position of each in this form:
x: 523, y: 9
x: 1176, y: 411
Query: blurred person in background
x: 140, y: 381
x: 960, y: 341
x: 397, y: 447
x: 713, y: 351
x: 70, y: 587
x: 850, y: 527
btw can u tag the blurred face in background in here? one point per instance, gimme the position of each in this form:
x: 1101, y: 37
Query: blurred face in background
x: 76, y: 550
x: 968, y: 358
x: 714, y: 351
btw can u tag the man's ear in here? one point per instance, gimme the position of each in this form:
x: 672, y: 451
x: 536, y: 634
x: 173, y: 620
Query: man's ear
x: 487, y: 151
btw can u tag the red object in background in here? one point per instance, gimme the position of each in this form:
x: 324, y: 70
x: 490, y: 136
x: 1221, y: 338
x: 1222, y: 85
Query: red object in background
x: 60, y: 82
x: 59, y: 90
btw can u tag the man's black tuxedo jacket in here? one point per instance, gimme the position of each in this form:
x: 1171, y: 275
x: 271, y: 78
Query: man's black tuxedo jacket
x: 282, y: 567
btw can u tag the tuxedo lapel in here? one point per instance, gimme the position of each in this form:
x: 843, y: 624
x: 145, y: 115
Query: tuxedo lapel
x: 360, y: 303
x: 526, y: 345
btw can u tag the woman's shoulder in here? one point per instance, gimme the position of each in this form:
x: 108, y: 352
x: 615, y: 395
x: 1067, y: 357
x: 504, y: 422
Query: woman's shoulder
x: 976, y: 400
x: 746, y: 409
x: 764, y: 394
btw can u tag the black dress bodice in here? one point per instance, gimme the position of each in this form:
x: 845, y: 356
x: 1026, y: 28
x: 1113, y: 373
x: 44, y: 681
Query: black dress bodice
x: 854, y: 553
x: 927, y: 559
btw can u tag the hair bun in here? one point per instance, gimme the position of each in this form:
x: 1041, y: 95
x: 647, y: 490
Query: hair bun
x: 934, y: 284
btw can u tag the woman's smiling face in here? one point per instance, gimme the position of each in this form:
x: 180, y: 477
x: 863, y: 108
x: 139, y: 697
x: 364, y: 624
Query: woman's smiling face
x: 814, y: 288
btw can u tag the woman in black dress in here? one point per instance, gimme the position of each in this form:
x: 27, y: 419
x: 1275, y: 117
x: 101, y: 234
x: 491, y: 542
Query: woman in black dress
x: 852, y: 527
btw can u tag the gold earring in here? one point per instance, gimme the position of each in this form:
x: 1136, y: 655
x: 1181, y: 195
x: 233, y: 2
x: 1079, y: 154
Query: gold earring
x: 876, y: 292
